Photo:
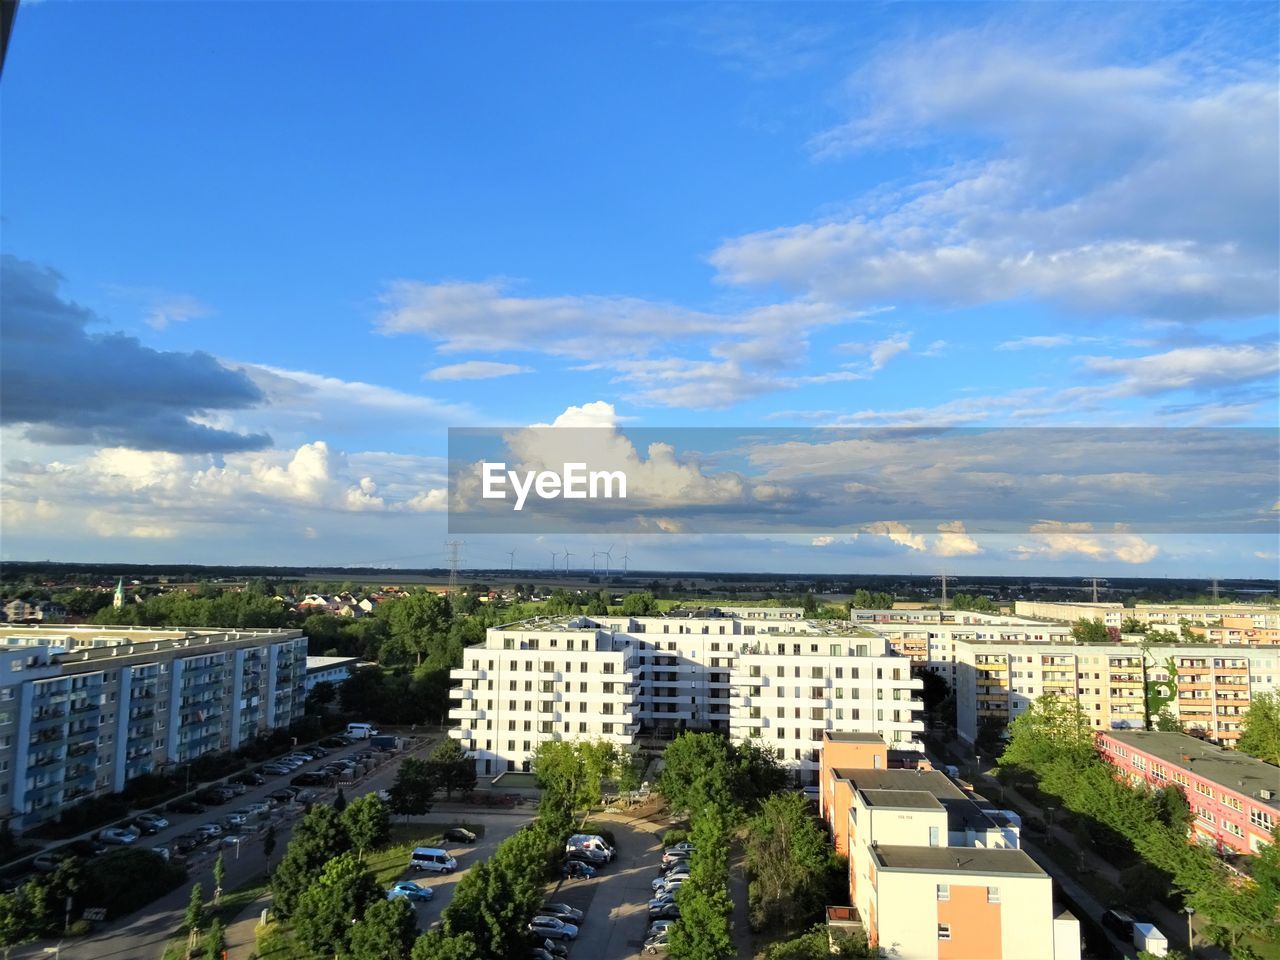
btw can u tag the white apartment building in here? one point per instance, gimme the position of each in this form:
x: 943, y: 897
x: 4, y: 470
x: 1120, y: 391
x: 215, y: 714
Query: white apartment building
x: 85, y: 709
x: 1158, y: 615
x: 780, y: 679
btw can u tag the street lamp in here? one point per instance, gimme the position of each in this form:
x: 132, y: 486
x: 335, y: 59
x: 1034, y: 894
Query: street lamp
x: 1191, y: 933
x: 1049, y: 811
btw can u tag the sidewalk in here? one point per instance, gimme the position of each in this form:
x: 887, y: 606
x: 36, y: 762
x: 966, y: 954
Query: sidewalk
x: 241, y: 943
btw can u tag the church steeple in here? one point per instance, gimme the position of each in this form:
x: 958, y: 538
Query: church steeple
x: 119, y: 600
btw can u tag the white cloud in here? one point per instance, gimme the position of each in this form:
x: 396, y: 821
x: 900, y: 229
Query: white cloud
x: 475, y: 370
x: 1055, y: 540
x: 954, y: 542
x: 1162, y: 204
x: 1044, y: 342
x: 899, y: 533
x: 822, y: 541
x: 1189, y: 368
x: 428, y: 501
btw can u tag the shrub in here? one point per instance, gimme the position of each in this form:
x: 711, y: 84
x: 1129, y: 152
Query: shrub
x: 674, y: 836
x: 80, y: 928
x: 124, y: 880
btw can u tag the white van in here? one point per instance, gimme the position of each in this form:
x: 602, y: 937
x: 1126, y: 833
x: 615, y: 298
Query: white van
x: 589, y: 843
x: 432, y: 859
x: 362, y: 731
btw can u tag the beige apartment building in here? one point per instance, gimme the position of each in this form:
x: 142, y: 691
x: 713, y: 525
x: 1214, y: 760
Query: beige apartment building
x: 1167, y: 616
x: 85, y: 709
x: 752, y: 673
x: 932, y: 875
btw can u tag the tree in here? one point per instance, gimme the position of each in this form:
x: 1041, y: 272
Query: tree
x: 438, y: 945
x: 787, y: 855
x: 1167, y: 722
x: 639, y: 604
x: 574, y: 772
x: 340, y: 800
x: 1133, y: 625
x: 1260, y: 728
x: 332, y: 903
x: 195, y: 915
x: 317, y: 839
x: 698, y: 770
x: 414, y: 788
x: 1090, y: 631
x: 269, y: 844
x: 219, y: 874
x: 419, y: 621
x: 387, y: 929
x: 866, y: 600
x: 452, y: 769
x: 368, y: 823
x: 216, y: 941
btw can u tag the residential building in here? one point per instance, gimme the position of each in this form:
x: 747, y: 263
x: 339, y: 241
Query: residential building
x: 1234, y: 798
x: 933, y: 875
x: 332, y: 669
x: 85, y: 709
x: 784, y: 681
x: 1207, y: 688
x: 1160, y: 615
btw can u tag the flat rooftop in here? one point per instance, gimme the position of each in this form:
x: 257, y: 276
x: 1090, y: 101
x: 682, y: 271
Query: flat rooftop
x: 843, y: 736
x: 1229, y: 769
x: 959, y: 860
x: 901, y: 799
x: 904, y: 789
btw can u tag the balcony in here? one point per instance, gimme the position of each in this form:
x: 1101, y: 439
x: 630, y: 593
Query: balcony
x: 842, y: 924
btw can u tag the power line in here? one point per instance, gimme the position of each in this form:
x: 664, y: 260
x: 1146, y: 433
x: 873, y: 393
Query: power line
x: 454, y: 550
x: 1095, y: 581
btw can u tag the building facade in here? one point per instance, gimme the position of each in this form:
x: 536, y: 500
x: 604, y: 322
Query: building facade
x: 1167, y: 616
x: 932, y: 875
x: 85, y: 709
x: 1234, y: 798
x: 781, y: 680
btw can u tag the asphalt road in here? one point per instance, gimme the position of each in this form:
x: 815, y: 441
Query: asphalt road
x: 145, y: 933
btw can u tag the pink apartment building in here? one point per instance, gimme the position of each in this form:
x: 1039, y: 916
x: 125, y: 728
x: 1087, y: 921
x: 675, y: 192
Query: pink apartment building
x: 1234, y: 798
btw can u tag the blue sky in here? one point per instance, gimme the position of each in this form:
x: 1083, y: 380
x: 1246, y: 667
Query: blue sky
x: 285, y: 246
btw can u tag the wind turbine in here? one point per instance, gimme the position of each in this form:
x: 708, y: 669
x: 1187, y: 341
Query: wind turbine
x: 567, y: 555
x: 512, y: 555
x: 595, y: 557
x: 554, y: 554
x: 625, y: 558
x: 608, y: 559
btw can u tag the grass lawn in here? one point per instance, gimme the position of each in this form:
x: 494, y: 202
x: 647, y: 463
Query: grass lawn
x: 388, y: 864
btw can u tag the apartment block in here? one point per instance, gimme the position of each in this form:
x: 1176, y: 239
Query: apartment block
x: 85, y: 709
x: 933, y: 875
x: 750, y: 673
x: 1167, y: 616
x: 1207, y: 688
x: 1234, y: 798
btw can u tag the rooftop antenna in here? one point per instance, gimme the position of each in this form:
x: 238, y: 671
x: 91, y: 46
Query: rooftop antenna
x: 567, y: 555
x: 944, y: 578
x: 1095, y: 581
x: 455, y: 561
x: 512, y: 555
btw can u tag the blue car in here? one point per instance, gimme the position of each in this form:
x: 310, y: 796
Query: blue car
x: 410, y: 891
x: 576, y: 869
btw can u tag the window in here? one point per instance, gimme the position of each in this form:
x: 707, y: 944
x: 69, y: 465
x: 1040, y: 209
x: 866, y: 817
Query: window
x: 944, y: 931
x: 993, y: 894
x: 944, y: 889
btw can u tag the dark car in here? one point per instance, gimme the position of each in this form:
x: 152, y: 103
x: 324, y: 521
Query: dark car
x: 86, y: 848
x: 144, y: 827
x: 1120, y: 922
x: 577, y: 870
x: 187, y: 842
x: 311, y: 779
x: 459, y: 835
x: 185, y: 806
x: 212, y: 797
x: 668, y: 911
x: 282, y: 795
x: 251, y: 779
x: 333, y: 743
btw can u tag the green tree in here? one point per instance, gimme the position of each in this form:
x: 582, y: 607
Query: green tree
x: 387, y: 929
x: 787, y: 855
x: 1090, y: 631
x: 368, y: 823
x: 639, y: 604
x: 195, y: 915
x: 317, y: 839
x: 216, y: 941
x: 438, y: 945
x: 16, y: 925
x: 453, y: 770
x: 219, y: 874
x: 269, y: 844
x: 575, y: 771
x: 333, y: 903
x: 419, y: 621
x: 1260, y: 728
x: 698, y: 769
x: 1167, y: 722
x: 414, y: 788
x: 1133, y: 625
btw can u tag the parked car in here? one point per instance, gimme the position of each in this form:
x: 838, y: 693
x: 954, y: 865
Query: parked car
x: 334, y: 743
x: 277, y: 769
x: 117, y: 836
x: 658, y: 926
x: 144, y: 827
x: 410, y: 891
x: 310, y: 779
x: 459, y: 835
x: 256, y: 808
x: 211, y: 797
x: 163, y: 853
x: 658, y: 943
x: 154, y: 819
x: 669, y: 884
x: 672, y: 856
x: 593, y: 857
x: 86, y: 848
x: 185, y: 806
x: 48, y: 861
x: 674, y: 868
x: 235, y: 819
x: 577, y: 870
x: 662, y: 898
x: 684, y: 846
x: 251, y: 779
x: 187, y: 842
x: 208, y: 830
x: 237, y: 789
x: 553, y: 948
x: 552, y: 928
x: 234, y: 839
x: 1120, y: 922
x: 282, y: 796
x: 541, y: 953
x: 562, y: 911
x: 669, y: 910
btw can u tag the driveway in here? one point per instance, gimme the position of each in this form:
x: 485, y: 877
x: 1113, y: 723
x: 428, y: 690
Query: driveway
x: 615, y: 901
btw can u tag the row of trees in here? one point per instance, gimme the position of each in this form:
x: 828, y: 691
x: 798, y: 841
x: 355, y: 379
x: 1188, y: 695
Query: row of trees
x: 1054, y: 742
x: 418, y: 781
